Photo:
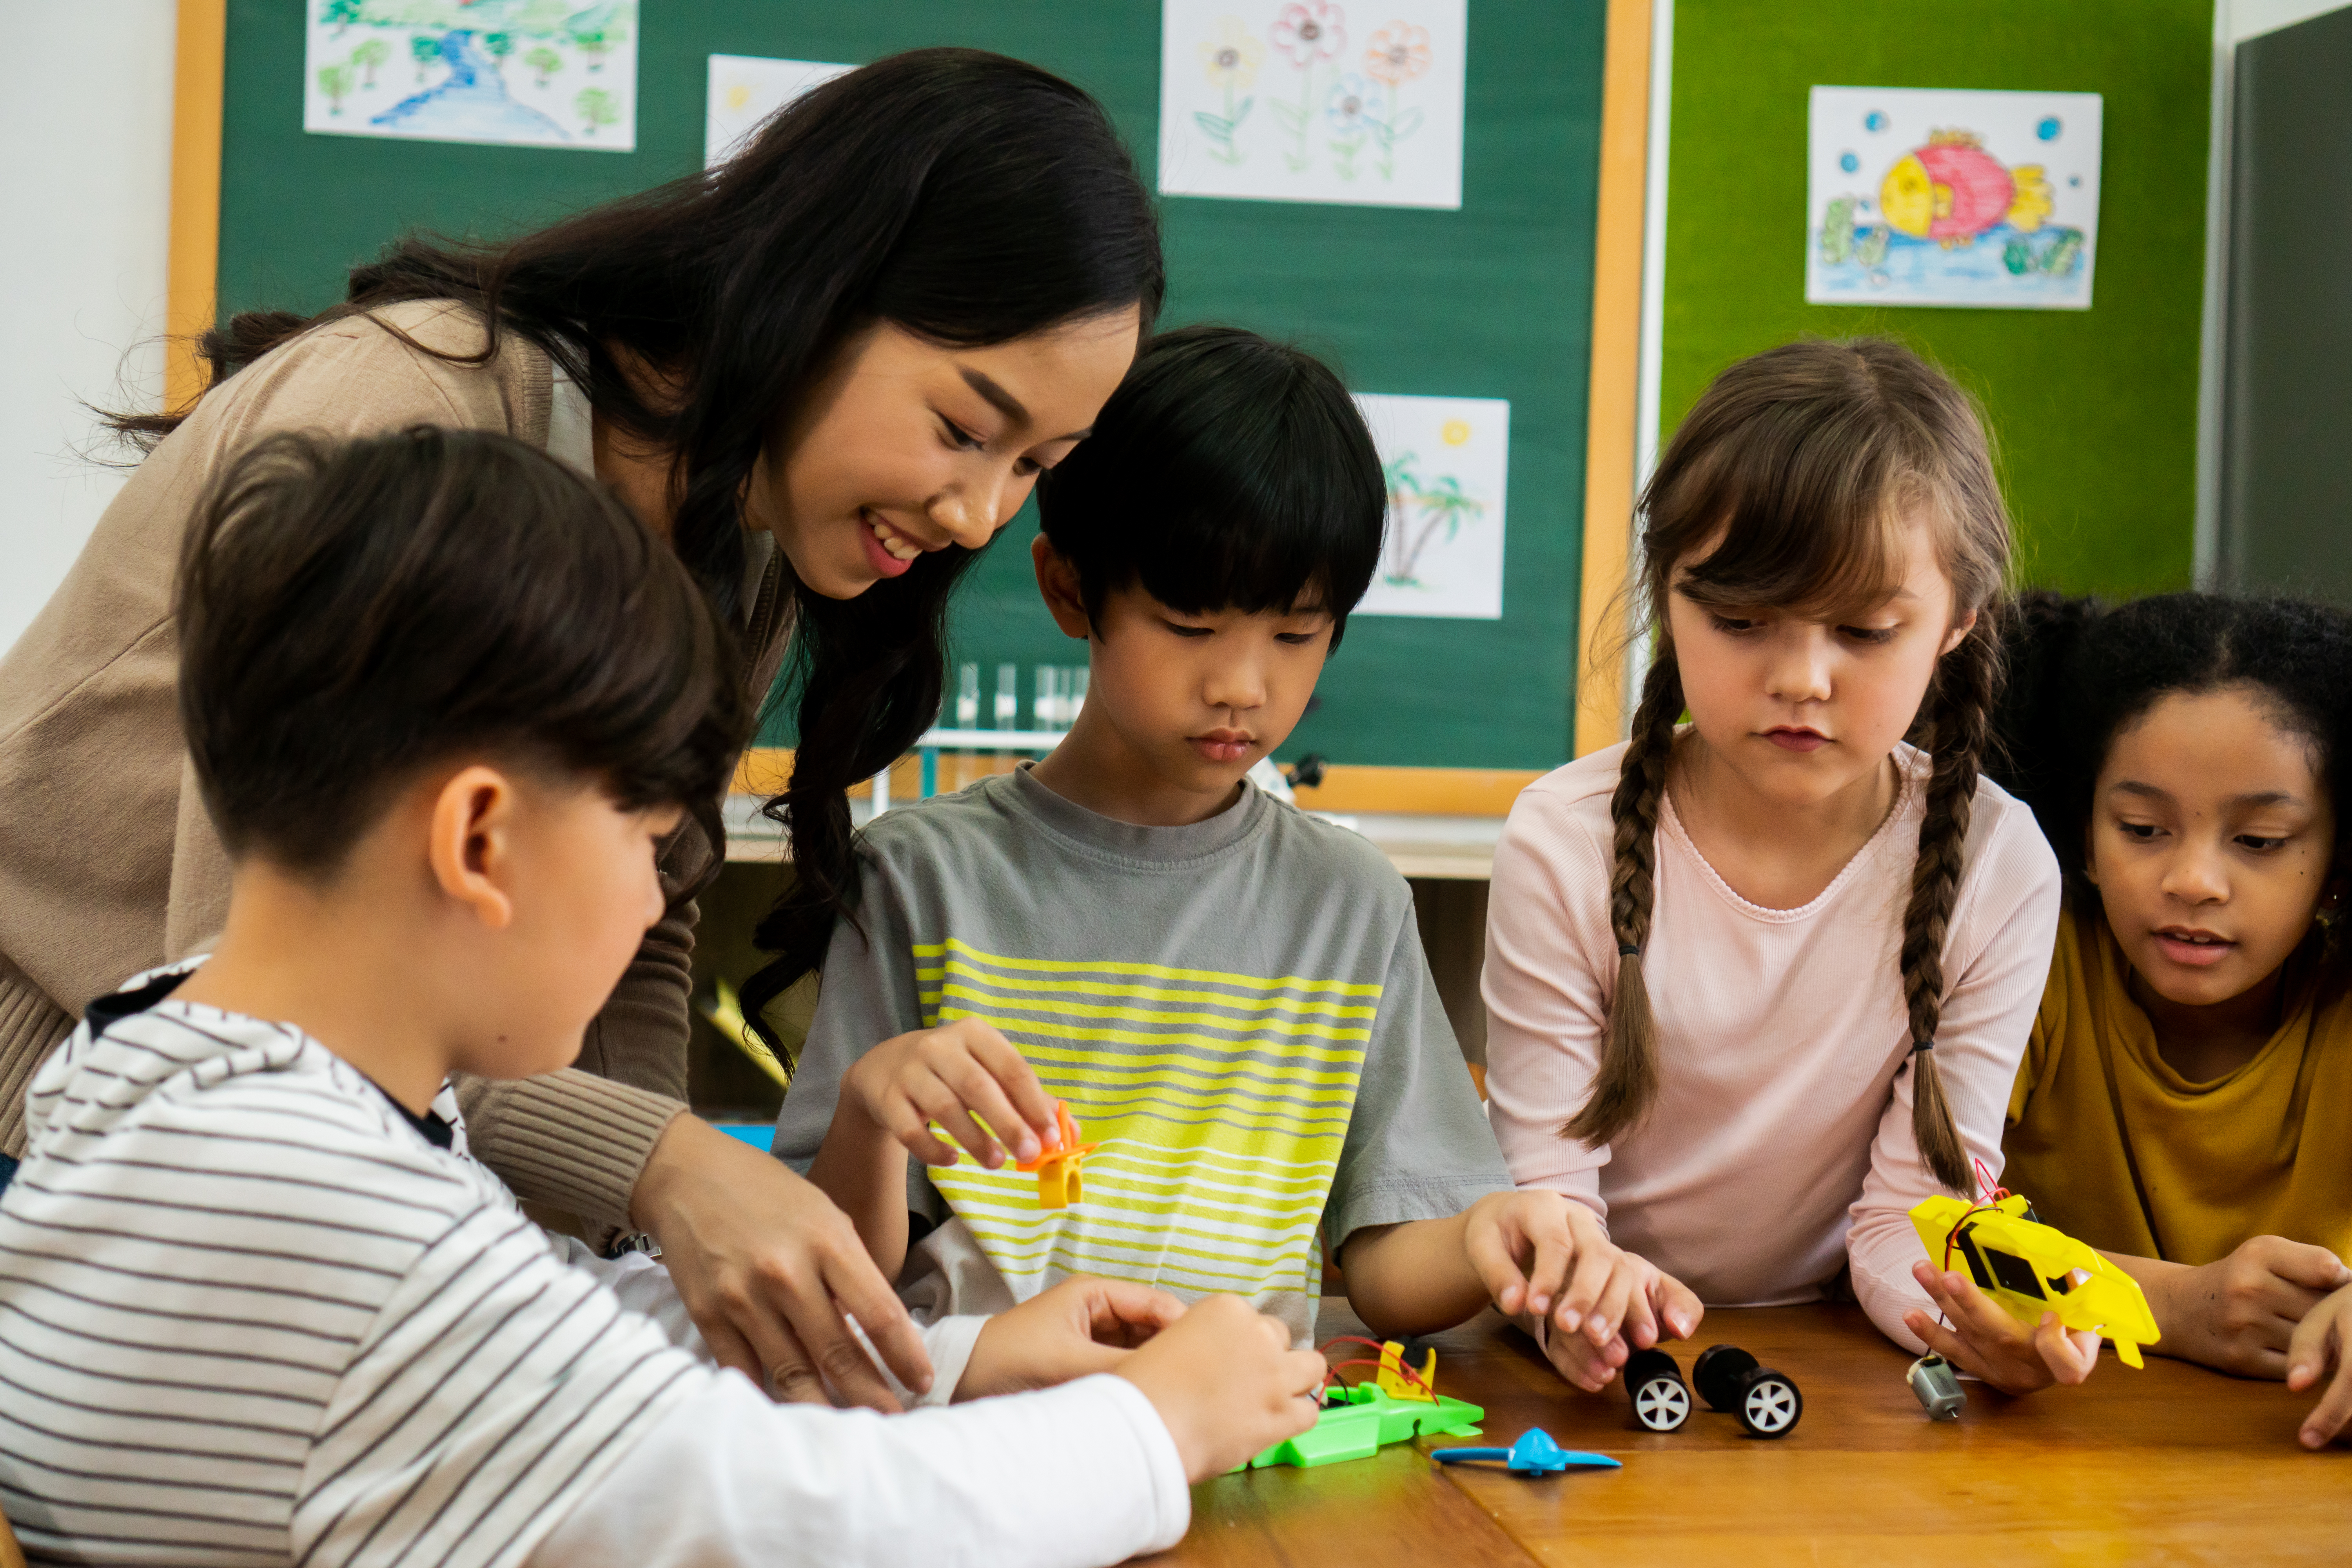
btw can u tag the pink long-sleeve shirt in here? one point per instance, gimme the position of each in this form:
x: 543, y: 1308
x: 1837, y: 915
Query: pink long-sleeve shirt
x: 1780, y: 1147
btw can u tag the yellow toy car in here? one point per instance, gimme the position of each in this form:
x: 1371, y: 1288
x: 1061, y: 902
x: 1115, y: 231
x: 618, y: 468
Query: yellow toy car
x: 2032, y: 1268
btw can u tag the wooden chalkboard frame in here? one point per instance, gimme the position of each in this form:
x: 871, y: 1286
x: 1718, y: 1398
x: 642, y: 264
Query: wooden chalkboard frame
x: 1424, y: 693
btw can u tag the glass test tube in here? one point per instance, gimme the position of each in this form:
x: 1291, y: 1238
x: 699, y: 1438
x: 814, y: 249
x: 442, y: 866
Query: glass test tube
x: 967, y: 702
x: 1008, y: 697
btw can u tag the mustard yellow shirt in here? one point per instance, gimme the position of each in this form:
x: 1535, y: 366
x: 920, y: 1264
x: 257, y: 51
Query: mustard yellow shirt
x: 2115, y: 1148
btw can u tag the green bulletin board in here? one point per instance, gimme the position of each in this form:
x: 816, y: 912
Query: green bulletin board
x: 1493, y: 301
x: 2096, y: 410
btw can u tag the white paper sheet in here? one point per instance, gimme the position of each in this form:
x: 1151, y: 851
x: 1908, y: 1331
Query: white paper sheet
x: 1313, y: 100
x: 1446, y: 460
x: 521, y: 72
x: 744, y: 90
x: 1929, y: 196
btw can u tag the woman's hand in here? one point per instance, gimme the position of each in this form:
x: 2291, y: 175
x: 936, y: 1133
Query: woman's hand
x: 2240, y: 1312
x: 770, y: 1270
x: 949, y: 1075
x: 1986, y: 1340
x: 2323, y: 1339
x: 1081, y: 1326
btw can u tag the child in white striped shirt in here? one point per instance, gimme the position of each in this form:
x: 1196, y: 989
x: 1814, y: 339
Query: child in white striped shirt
x: 258, y: 1305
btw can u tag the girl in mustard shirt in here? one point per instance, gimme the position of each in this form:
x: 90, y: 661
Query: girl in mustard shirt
x: 2186, y: 1092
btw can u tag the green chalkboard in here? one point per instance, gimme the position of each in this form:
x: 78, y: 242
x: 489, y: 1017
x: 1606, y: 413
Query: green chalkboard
x: 1493, y: 301
x: 2096, y: 410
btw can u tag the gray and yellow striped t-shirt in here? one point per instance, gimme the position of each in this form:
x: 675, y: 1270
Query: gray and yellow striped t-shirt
x: 1237, y: 1012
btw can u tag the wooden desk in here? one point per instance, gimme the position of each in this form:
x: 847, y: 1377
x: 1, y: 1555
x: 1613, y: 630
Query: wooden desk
x: 2172, y: 1463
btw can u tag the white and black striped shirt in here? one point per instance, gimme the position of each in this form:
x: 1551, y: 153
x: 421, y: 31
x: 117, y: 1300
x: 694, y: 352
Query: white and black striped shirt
x: 249, y: 1313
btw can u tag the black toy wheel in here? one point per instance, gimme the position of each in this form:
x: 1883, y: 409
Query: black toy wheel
x: 1771, y: 1406
x: 1717, y: 1373
x: 1661, y: 1401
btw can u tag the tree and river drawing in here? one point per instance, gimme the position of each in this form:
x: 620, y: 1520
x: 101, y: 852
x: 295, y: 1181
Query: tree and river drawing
x: 553, y: 73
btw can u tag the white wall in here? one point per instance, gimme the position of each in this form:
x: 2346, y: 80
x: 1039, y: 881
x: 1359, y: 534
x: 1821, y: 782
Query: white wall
x: 2245, y: 19
x: 85, y: 181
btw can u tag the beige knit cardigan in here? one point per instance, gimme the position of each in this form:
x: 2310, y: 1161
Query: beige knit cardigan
x: 108, y: 862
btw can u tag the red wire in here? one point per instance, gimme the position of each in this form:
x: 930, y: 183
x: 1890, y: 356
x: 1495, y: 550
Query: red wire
x: 1350, y: 1340
x: 1383, y: 1366
x: 1952, y: 1236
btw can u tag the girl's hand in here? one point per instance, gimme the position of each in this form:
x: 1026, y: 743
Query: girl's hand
x: 2322, y: 1340
x: 2239, y: 1313
x: 1986, y: 1340
x: 1542, y: 1255
x: 1082, y: 1325
x: 948, y: 1075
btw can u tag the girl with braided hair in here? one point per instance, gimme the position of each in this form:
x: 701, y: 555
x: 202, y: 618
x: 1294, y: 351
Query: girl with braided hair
x: 2189, y: 1078
x: 1759, y: 983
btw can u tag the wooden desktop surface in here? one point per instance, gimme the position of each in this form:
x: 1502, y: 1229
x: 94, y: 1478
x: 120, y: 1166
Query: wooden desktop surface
x: 2171, y: 1464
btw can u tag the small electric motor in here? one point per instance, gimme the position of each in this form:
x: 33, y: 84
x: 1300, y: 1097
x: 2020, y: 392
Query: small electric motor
x: 1938, y: 1388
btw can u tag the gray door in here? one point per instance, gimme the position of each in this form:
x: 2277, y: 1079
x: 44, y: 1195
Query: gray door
x: 2286, y: 480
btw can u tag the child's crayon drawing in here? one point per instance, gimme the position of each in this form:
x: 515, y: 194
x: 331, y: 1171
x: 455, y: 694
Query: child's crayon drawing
x: 1922, y: 197
x: 1445, y: 461
x: 532, y: 73
x: 744, y: 90
x: 1313, y: 100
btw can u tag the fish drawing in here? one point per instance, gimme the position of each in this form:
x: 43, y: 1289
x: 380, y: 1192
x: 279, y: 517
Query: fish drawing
x: 1952, y: 190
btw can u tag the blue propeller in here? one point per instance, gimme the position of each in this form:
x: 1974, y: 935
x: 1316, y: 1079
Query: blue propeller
x: 1534, y: 1454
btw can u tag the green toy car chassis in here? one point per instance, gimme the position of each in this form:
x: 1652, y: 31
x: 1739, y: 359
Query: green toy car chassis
x: 1365, y: 1420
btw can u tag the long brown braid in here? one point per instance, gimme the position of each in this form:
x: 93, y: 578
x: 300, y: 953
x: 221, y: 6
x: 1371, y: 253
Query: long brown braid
x: 1959, y: 710
x: 1793, y: 483
x: 1628, y: 1079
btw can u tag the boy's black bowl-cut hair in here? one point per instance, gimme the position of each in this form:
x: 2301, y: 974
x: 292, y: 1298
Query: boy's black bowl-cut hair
x: 1227, y: 472
x: 353, y: 613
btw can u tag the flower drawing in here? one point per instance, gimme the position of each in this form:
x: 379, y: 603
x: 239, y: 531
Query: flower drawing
x: 1355, y: 106
x: 1306, y: 32
x: 1232, y: 57
x: 1310, y: 31
x: 1230, y: 61
x: 1398, y: 54
x: 1355, y: 109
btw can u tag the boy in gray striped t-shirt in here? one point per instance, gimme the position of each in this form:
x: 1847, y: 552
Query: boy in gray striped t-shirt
x: 257, y: 1306
x: 1228, y: 994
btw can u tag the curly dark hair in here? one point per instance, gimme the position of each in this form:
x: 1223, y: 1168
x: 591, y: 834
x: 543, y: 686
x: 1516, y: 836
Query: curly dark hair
x: 2082, y: 672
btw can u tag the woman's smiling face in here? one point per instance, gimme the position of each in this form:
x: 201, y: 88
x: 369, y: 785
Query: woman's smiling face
x: 907, y: 446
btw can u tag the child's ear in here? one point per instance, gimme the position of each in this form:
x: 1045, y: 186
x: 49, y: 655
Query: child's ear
x: 471, y: 842
x: 1057, y: 580
x: 1958, y: 634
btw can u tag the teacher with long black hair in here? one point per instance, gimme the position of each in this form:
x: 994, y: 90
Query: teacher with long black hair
x: 827, y: 372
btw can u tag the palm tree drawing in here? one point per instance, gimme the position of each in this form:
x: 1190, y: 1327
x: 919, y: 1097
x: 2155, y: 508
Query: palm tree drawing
x: 1417, y: 509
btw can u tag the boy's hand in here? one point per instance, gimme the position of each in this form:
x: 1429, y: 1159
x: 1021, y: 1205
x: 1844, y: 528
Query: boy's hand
x: 2323, y: 1339
x: 769, y: 1269
x: 947, y: 1074
x: 1082, y: 1325
x: 1226, y: 1381
x: 1986, y: 1340
x: 2239, y: 1313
